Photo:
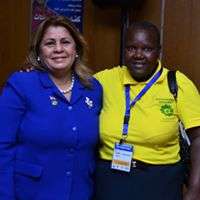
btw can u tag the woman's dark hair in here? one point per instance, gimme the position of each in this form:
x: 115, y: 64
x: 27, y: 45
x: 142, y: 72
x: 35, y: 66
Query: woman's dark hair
x: 146, y: 25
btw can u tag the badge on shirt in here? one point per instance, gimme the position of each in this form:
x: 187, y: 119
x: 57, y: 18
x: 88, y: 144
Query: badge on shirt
x: 89, y: 102
x: 122, y: 157
x: 54, y: 101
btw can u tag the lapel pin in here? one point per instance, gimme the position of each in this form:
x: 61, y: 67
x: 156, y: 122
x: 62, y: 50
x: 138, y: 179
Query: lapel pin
x: 89, y: 102
x: 54, y: 101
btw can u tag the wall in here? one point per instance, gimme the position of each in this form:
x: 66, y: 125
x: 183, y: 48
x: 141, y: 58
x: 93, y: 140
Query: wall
x: 182, y: 37
x: 102, y: 31
x: 14, y: 20
x: 181, y: 34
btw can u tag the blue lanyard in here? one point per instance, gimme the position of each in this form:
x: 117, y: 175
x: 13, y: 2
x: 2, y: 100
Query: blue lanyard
x: 130, y: 104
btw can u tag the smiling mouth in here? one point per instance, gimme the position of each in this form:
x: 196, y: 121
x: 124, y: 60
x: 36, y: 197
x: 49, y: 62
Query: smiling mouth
x: 138, y: 64
x: 59, y: 58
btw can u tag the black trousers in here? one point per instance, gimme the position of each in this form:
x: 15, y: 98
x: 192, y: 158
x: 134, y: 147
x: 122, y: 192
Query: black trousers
x: 153, y: 182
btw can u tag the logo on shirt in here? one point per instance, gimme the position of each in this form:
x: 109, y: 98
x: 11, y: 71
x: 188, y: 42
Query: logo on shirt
x: 167, y: 110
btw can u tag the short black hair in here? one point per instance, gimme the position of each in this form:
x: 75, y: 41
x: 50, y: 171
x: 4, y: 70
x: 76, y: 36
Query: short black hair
x: 146, y: 25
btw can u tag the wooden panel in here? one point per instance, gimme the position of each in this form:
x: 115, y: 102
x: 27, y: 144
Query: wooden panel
x: 148, y: 10
x: 181, y: 32
x: 102, y: 31
x: 182, y: 37
x: 14, y: 20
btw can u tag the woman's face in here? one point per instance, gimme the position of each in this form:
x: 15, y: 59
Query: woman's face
x: 142, y: 52
x: 58, y: 49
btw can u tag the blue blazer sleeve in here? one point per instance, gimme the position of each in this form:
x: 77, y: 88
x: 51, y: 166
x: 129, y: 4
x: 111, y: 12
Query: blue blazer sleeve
x: 12, y: 108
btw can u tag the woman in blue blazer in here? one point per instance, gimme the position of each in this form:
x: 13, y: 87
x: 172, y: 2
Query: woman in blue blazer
x: 49, y: 120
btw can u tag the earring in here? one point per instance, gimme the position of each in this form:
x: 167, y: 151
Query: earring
x: 38, y: 59
x: 76, y: 56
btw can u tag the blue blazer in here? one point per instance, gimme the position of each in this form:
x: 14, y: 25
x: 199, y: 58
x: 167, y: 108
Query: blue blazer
x: 47, y: 144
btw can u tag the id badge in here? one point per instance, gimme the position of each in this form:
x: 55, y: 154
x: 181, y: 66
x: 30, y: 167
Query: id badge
x: 122, y: 157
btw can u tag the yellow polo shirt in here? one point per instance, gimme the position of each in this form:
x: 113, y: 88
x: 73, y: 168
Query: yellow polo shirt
x: 153, y: 127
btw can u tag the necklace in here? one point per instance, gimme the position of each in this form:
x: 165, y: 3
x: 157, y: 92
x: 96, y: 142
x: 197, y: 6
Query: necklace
x: 70, y: 87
